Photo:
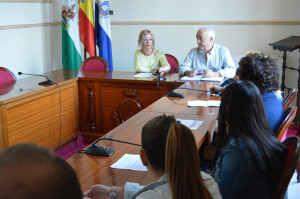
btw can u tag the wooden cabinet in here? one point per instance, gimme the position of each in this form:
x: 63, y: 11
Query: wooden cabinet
x: 92, y: 103
x: 35, y: 117
x: 103, y: 105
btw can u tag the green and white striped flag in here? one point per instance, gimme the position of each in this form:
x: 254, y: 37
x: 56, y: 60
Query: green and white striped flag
x: 71, y: 56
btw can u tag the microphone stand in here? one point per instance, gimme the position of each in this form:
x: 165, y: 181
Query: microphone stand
x: 47, y: 82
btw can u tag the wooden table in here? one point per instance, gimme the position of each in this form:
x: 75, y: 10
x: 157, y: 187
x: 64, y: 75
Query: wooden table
x: 99, y: 100
x: 96, y: 170
x: 31, y: 113
x: 191, y: 91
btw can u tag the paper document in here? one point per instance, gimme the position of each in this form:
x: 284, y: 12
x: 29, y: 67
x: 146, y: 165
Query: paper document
x: 202, y: 78
x: 192, y: 124
x: 213, y: 79
x: 195, y: 78
x: 143, y: 75
x: 204, y: 103
x: 131, y: 162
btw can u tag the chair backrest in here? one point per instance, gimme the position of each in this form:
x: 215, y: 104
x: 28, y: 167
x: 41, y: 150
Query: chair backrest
x: 94, y: 64
x: 289, y: 98
x: 173, y: 63
x: 292, y: 158
x: 6, y: 75
x: 289, y: 116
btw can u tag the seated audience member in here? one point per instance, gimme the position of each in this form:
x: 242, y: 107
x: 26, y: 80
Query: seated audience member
x: 147, y: 59
x: 251, y: 158
x: 262, y: 70
x: 211, y: 59
x: 29, y: 171
x: 170, y: 154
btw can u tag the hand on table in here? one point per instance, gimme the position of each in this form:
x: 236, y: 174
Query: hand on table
x: 191, y: 73
x: 98, y: 192
x: 214, y: 89
x: 210, y: 73
x: 161, y: 70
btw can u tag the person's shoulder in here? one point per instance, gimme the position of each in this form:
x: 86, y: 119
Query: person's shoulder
x: 220, y: 48
x: 206, y: 176
x: 270, y: 97
x: 138, y: 52
x: 159, y: 192
x: 158, y: 52
x: 193, y: 52
x: 237, y: 146
x: 211, y: 185
x: 194, y: 49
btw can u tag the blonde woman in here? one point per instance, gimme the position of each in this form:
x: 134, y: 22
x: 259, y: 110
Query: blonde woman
x: 149, y: 59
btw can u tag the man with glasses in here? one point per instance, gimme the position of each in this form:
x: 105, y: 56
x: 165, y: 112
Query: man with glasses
x: 209, y: 59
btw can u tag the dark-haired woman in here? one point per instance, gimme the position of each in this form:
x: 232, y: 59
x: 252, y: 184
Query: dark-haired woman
x: 170, y: 154
x: 262, y: 70
x: 251, y: 158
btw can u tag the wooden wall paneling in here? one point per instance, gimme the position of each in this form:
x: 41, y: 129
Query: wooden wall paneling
x: 90, y: 109
x: 1, y: 128
x: 76, y: 107
x: 36, y: 118
x: 83, y: 105
x: 68, y: 112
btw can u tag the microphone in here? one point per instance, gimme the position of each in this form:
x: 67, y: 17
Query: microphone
x: 41, y: 83
x: 99, y: 150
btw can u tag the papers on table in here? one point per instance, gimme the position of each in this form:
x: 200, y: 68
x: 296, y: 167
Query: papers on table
x: 192, y: 124
x: 143, y: 75
x: 204, y: 103
x: 214, y: 79
x: 195, y: 78
x: 131, y: 162
x: 202, y: 78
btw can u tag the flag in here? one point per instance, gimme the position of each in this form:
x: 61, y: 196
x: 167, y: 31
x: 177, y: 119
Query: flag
x: 71, y: 57
x: 102, y: 31
x: 86, y: 26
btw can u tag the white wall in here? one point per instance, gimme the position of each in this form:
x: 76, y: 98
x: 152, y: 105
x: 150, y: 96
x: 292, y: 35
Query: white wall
x: 37, y: 50
x: 31, y: 50
x: 179, y: 39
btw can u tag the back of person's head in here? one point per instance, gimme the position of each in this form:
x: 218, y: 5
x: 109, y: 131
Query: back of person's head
x: 183, y: 164
x: 242, y: 116
x: 29, y: 171
x: 142, y: 35
x: 260, y: 69
x: 154, y: 139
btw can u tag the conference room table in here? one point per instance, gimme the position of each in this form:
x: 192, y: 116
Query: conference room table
x: 96, y: 169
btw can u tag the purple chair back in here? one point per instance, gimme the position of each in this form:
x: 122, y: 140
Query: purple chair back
x: 173, y: 63
x: 6, y: 75
x: 94, y: 64
x: 292, y: 145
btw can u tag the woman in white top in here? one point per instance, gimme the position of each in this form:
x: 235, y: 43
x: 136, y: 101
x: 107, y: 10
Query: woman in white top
x: 170, y: 154
x: 148, y: 59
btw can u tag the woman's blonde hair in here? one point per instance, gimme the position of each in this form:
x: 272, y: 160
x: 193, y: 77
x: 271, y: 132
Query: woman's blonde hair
x: 183, y: 164
x: 142, y: 35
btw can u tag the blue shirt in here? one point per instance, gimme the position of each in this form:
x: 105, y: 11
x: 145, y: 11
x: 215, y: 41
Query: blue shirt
x: 218, y: 60
x: 238, y: 176
x: 274, y: 110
